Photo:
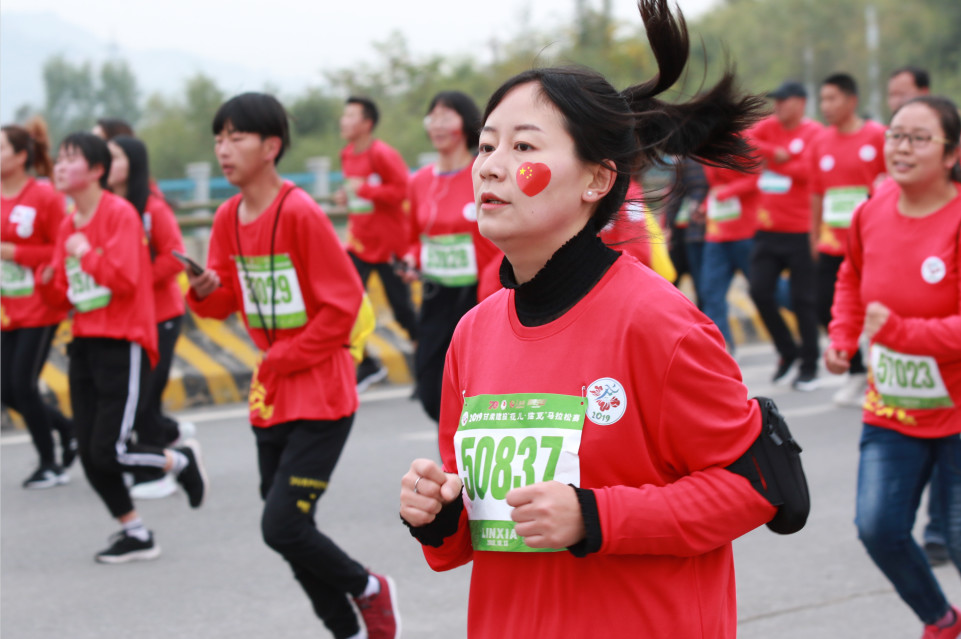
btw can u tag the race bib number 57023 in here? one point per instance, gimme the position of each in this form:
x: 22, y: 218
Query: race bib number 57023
x: 509, y: 441
x: 908, y: 381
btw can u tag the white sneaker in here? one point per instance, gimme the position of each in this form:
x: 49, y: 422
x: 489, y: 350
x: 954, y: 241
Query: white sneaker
x: 187, y: 430
x: 157, y: 489
x: 852, y: 392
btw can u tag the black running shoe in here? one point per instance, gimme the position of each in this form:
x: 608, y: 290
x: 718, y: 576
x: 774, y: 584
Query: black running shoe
x: 369, y: 372
x: 68, y: 451
x: 124, y: 548
x: 193, y: 477
x: 805, y: 382
x: 46, y: 476
x: 784, y: 367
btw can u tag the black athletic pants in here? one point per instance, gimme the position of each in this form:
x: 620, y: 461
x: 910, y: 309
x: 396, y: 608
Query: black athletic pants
x: 23, y: 352
x: 827, y: 270
x: 441, y: 308
x: 106, y: 376
x: 398, y: 293
x: 152, y: 427
x: 296, y: 461
x: 774, y: 252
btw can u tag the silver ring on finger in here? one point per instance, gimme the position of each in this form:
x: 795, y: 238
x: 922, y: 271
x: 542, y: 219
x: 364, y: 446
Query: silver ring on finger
x: 416, y: 481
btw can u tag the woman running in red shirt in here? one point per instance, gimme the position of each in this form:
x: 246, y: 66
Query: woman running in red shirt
x: 31, y: 215
x: 457, y: 265
x: 900, y: 284
x: 130, y: 179
x: 589, y: 410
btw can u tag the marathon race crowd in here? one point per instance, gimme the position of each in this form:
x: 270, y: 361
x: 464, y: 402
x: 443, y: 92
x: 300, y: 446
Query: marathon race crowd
x: 614, y: 483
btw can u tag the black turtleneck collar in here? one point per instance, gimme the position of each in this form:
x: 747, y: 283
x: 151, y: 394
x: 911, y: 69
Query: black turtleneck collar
x: 565, y: 279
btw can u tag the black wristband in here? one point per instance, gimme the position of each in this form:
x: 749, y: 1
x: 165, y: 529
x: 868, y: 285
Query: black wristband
x: 443, y: 526
x: 592, y: 524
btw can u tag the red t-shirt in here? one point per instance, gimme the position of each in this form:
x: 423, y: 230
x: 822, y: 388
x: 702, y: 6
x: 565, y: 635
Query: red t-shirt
x: 164, y: 233
x: 30, y: 220
x: 111, y: 287
x: 653, y: 452
x: 377, y: 226
x: 308, y: 372
x: 732, y: 212
x: 785, y: 204
x: 912, y: 266
x: 843, y: 169
x: 442, y: 208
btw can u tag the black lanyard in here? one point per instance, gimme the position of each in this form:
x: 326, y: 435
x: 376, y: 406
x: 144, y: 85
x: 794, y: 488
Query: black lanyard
x: 272, y: 335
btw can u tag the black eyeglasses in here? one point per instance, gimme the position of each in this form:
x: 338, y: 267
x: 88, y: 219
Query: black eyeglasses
x: 915, y: 140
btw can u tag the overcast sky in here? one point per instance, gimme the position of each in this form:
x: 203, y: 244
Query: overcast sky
x: 306, y: 36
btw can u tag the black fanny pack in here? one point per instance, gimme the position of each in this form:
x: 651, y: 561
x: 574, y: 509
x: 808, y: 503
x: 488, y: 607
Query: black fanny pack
x: 773, y: 466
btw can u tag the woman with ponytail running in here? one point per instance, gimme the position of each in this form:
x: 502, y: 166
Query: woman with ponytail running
x: 589, y: 410
x: 32, y: 212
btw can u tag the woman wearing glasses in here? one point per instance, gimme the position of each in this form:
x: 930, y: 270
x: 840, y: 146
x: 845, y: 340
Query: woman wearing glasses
x: 909, y: 306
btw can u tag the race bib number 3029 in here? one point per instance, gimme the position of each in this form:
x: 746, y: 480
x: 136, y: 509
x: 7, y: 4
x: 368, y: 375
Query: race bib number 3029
x: 508, y: 441
x: 271, y: 290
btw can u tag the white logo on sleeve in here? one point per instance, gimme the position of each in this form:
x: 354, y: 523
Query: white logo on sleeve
x: 933, y: 270
x: 868, y: 153
x: 606, y: 401
x: 796, y: 146
x: 470, y: 212
x: 827, y: 163
x: 23, y: 217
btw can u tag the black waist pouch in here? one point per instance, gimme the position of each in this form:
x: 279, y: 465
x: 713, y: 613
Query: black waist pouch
x: 773, y: 466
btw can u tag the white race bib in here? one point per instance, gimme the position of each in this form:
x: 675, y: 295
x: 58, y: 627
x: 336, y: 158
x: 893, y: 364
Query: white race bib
x: 15, y: 280
x: 771, y: 182
x: 722, y: 211
x: 258, y: 282
x: 449, y: 259
x: 82, y: 290
x: 356, y: 204
x: 509, y: 441
x: 908, y: 381
x: 839, y: 204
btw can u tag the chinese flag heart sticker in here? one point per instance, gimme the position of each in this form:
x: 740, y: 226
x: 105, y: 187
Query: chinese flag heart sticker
x: 533, y: 177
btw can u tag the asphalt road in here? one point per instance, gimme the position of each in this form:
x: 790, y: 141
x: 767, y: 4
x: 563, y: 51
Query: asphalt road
x: 216, y: 578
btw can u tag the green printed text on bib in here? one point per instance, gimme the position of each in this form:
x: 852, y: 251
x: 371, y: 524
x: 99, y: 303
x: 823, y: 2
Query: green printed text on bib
x: 356, y: 204
x: 839, y: 204
x: 82, y: 290
x: 685, y: 211
x: 722, y: 211
x: 449, y: 259
x: 509, y: 441
x: 15, y: 280
x: 908, y: 381
x: 771, y: 182
x: 286, y: 309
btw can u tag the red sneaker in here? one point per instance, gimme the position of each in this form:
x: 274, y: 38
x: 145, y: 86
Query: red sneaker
x: 951, y: 632
x: 380, y: 613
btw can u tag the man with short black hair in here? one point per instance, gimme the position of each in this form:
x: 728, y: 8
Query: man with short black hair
x: 906, y: 83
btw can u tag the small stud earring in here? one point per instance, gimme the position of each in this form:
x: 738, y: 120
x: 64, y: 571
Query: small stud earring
x: 590, y: 194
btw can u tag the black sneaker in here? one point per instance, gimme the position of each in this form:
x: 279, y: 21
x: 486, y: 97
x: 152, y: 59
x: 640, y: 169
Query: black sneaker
x: 369, y: 372
x: 805, y: 382
x: 193, y: 477
x: 68, y: 451
x: 784, y: 367
x: 46, y: 476
x: 124, y: 548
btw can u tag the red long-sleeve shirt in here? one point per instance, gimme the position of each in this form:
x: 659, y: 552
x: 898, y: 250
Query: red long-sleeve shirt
x: 30, y: 220
x: 307, y: 371
x: 843, y: 169
x: 165, y: 237
x: 912, y: 266
x: 785, y: 200
x: 111, y: 286
x: 664, y: 411
x: 442, y: 207
x: 377, y: 226
x: 732, y: 210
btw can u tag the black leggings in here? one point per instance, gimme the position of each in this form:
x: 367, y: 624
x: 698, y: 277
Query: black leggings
x: 828, y: 267
x: 22, y: 355
x: 296, y: 461
x: 398, y: 293
x: 440, y: 310
x: 106, y: 376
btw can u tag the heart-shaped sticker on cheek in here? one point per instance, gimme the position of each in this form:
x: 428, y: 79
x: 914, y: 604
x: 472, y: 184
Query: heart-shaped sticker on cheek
x: 533, y: 177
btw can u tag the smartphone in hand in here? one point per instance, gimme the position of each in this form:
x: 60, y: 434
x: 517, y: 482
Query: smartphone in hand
x: 195, y: 268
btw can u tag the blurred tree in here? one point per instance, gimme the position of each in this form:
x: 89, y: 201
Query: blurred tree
x: 71, y: 97
x: 118, y: 95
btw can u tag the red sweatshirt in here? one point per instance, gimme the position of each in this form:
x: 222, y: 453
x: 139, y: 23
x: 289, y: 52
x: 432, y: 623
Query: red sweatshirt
x: 111, y: 286
x: 307, y: 371
x: 30, y: 220
x: 732, y: 211
x: 912, y: 266
x: 650, y: 433
x: 376, y: 224
x: 785, y: 204
x: 164, y: 233
x: 443, y: 211
x: 843, y: 168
